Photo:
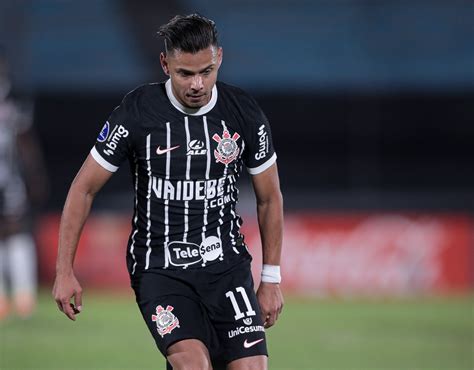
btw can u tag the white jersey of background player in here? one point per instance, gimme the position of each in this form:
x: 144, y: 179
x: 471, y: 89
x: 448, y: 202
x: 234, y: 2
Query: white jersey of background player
x: 19, y: 160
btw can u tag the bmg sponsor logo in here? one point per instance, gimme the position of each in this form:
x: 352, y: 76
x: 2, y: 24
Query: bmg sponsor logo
x: 114, y: 138
x: 262, y: 143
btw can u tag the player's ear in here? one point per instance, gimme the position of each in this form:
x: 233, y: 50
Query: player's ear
x: 164, y: 64
x: 220, y: 54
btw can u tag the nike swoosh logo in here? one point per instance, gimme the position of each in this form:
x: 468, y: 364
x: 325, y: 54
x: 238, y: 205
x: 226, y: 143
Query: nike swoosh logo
x: 160, y: 151
x: 251, y: 344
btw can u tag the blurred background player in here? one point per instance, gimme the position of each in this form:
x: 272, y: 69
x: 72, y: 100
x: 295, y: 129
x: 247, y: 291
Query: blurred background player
x: 22, y: 182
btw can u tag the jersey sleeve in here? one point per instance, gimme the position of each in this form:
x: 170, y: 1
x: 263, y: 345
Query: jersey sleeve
x: 114, y: 142
x: 259, y: 153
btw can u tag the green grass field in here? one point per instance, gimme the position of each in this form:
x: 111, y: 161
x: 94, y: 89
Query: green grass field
x: 435, y: 333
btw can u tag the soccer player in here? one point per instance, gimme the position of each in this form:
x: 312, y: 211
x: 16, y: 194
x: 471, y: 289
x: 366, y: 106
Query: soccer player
x: 186, y: 141
x: 22, y: 182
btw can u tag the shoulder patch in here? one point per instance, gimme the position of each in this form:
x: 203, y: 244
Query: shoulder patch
x: 104, y: 133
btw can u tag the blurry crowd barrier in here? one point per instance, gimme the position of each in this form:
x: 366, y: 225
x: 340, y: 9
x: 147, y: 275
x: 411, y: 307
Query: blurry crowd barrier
x: 343, y: 255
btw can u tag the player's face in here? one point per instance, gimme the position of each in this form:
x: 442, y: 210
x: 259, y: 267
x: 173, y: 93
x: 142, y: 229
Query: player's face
x: 192, y: 75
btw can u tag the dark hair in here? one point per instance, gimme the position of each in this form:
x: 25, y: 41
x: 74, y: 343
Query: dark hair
x: 189, y: 33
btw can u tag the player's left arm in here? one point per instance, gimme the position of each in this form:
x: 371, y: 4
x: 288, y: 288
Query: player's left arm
x: 270, y: 220
x: 30, y: 154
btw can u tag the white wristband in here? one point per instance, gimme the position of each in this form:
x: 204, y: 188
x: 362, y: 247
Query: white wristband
x: 271, y: 274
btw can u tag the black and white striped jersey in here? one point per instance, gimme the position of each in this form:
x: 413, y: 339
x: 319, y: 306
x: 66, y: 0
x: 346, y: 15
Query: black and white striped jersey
x: 185, y: 165
x: 15, y: 120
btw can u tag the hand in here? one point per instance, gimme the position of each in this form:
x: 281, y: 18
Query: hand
x: 65, y: 287
x: 271, y: 302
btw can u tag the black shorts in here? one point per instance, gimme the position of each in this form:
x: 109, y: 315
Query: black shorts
x: 218, y: 308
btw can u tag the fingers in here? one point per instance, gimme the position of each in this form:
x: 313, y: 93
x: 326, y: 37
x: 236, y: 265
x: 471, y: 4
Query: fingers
x: 76, y: 311
x: 270, y: 312
x: 78, y: 301
x: 263, y: 314
x: 57, y: 299
x: 270, y: 317
x: 68, y: 309
x: 66, y: 288
x: 271, y: 303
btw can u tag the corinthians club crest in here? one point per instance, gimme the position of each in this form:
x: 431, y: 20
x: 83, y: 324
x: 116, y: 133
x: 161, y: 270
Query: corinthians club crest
x: 165, y: 320
x: 227, y: 148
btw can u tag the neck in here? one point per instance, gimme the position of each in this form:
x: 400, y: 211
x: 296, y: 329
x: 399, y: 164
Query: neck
x: 187, y: 110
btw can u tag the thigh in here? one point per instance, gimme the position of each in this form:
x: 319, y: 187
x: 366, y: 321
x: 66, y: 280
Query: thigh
x: 171, y: 310
x: 249, y: 363
x: 189, y: 354
x: 235, y: 314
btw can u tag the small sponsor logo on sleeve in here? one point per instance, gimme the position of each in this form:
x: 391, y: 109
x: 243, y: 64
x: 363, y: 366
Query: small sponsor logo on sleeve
x: 114, y: 138
x: 262, y: 143
x: 104, y: 133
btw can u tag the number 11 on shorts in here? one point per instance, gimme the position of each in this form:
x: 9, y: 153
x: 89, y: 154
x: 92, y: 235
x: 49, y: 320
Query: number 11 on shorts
x: 239, y: 314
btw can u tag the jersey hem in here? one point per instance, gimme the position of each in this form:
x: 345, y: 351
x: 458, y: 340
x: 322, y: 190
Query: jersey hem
x: 262, y: 167
x: 100, y: 160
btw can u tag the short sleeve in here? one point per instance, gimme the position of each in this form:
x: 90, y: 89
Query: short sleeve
x: 259, y: 153
x: 114, y: 142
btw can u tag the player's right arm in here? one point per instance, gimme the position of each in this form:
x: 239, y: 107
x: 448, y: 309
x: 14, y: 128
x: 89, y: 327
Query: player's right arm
x: 89, y: 180
x: 112, y: 148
